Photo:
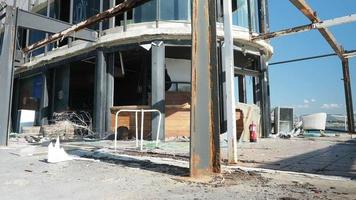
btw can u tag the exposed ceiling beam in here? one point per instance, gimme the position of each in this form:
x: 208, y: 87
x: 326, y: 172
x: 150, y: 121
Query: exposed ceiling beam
x: 308, y: 27
x: 311, y: 15
x: 350, y: 54
x: 118, y: 9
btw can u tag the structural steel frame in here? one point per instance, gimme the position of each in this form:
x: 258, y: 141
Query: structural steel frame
x: 321, y: 26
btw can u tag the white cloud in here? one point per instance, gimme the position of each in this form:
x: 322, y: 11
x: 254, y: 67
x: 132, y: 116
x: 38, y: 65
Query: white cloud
x: 306, y: 101
x: 303, y: 106
x: 330, y: 106
x: 312, y: 100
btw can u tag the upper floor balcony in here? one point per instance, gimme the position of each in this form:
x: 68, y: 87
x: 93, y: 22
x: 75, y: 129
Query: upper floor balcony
x: 168, y: 18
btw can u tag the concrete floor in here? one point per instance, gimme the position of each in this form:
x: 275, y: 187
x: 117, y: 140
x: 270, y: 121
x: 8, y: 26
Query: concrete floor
x: 328, y: 156
x: 163, y: 173
x: 25, y: 174
x: 334, y: 156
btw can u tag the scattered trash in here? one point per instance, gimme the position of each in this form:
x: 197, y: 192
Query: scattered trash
x: 57, y: 154
x: 297, y: 130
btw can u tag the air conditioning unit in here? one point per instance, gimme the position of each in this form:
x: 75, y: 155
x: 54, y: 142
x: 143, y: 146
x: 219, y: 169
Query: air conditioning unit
x: 283, y: 119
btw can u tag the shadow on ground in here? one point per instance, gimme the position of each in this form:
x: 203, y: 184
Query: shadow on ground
x: 132, y: 162
x: 336, y: 160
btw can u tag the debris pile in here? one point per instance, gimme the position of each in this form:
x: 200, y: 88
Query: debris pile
x: 65, y: 125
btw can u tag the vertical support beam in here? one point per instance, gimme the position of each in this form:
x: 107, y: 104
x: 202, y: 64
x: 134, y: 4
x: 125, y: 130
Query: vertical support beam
x: 110, y: 83
x: 348, y: 96
x: 15, y: 105
x: 71, y: 12
x: 219, y: 9
x: 263, y: 16
x: 263, y: 82
x: 53, y: 93
x: 242, y: 89
x: 158, y: 13
x: 222, y: 91
x: 47, y: 15
x: 100, y: 93
x: 158, y: 87
x: 264, y: 97
x: 43, y: 111
x: 204, y: 130
x: 101, y: 8
x: 112, y: 3
x: 6, y: 73
x: 229, y: 77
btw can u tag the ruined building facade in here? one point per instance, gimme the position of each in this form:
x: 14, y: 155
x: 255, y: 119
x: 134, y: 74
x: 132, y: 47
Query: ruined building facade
x: 139, y: 59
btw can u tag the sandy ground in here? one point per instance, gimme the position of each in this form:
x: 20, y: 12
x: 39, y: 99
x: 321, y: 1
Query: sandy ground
x: 24, y: 174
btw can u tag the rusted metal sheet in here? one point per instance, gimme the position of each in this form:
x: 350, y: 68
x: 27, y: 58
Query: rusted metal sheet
x: 204, y: 143
x: 118, y: 9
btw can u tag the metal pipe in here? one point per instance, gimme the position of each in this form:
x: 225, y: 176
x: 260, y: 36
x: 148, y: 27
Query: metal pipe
x: 142, y: 120
x: 136, y: 124
x: 136, y: 111
x: 303, y: 59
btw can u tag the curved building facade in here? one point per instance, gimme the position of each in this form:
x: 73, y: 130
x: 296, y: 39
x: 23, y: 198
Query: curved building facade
x: 118, y: 69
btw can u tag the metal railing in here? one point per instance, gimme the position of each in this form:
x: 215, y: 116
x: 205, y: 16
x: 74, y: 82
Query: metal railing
x: 136, y: 111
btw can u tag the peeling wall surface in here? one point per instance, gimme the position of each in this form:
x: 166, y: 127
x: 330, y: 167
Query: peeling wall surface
x: 23, y: 4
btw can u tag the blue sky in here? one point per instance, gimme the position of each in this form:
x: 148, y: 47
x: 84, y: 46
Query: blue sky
x: 315, y: 85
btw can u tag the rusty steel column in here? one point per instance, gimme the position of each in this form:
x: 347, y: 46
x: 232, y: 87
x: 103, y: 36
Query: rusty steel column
x: 264, y: 95
x: 348, y: 96
x: 204, y: 131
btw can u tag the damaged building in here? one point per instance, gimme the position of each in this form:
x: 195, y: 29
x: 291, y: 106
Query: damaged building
x: 140, y: 59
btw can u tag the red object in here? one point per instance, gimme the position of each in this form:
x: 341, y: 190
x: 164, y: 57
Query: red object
x: 253, y: 132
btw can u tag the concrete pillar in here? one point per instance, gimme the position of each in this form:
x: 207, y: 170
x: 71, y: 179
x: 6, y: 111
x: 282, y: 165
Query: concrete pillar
x: 100, y: 94
x: 6, y: 73
x: 230, y: 83
x: 158, y: 87
x: 110, y: 84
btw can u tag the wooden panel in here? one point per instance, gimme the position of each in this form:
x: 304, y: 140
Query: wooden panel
x: 178, y: 120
